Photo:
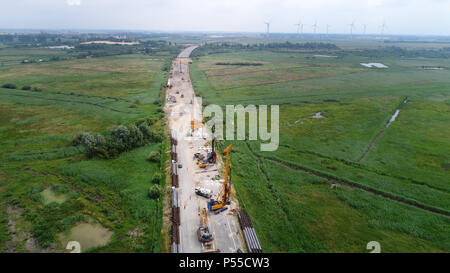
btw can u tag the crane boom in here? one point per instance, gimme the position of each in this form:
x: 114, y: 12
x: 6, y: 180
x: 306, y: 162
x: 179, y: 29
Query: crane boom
x: 224, y: 197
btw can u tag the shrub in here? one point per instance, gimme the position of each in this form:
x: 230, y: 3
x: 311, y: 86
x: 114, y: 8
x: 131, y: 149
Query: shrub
x: 91, y: 142
x: 136, y: 137
x: 146, y: 121
x: 9, y: 86
x: 157, y: 177
x: 154, y: 156
x: 146, y: 132
x: 121, y: 135
x: 61, y: 189
x: 154, y: 192
x: 26, y: 87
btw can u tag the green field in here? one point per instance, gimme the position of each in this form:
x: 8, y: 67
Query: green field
x: 47, y: 185
x: 393, y: 183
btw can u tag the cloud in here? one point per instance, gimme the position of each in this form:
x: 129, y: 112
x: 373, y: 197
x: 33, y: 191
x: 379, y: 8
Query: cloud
x: 73, y: 2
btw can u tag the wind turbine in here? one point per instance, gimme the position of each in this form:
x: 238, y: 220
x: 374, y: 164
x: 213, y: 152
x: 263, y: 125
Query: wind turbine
x: 365, y: 27
x: 328, y: 27
x: 299, y: 24
x: 352, y: 25
x: 315, y: 27
x: 383, y: 27
x: 268, y: 27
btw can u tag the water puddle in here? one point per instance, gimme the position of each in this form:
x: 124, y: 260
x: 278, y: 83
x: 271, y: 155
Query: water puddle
x: 395, y: 115
x: 318, y: 115
x: 324, y: 56
x: 50, y: 196
x: 376, y: 65
x: 431, y: 68
x: 87, y: 234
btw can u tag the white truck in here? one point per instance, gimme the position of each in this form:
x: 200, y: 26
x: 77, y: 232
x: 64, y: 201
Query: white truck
x: 203, y: 192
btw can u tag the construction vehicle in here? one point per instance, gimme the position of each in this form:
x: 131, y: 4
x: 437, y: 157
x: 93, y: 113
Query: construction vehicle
x: 211, y: 158
x: 203, y: 192
x: 223, y: 199
x: 199, y: 156
x: 203, y: 233
x: 196, y: 124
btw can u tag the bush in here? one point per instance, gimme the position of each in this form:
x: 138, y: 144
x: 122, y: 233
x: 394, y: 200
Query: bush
x: 120, y: 139
x: 157, y: 177
x: 136, y: 137
x: 26, y: 87
x: 9, y: 86
x: 121, y: 135
x: 154, y: 192
x: 154, y: 157
x: 90, y: 141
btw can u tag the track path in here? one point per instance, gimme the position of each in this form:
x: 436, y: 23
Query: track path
x: 186, y: 107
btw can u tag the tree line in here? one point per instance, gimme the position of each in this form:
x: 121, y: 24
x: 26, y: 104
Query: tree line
x: 119, y: 139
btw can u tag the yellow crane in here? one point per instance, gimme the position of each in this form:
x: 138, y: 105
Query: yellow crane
x: 218, y: 205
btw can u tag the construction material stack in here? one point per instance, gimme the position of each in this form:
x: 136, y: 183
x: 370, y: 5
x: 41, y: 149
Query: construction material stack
x: 251, y: 239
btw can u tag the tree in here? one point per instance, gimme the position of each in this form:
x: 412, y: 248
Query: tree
x: 157, y: 177
x: 121, y: 136
x: 154, y: 192
x: 136, y: 137
x: 90, y: 141
x: 154, y: 156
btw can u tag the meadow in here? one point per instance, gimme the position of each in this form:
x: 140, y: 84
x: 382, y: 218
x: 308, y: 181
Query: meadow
x: 48, y: 185
x: 337, y: 182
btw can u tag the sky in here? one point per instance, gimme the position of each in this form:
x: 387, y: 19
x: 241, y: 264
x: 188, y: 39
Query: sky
x: 429, y: 17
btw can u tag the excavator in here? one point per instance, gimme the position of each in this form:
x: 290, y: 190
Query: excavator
x: 203, y: 233
x: 218, y: 205
x: 210, y: 158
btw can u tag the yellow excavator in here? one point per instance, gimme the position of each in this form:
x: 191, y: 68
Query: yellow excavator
x: 218, y: 205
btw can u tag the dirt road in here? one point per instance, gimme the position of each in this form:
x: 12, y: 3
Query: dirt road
x: 181, y: 108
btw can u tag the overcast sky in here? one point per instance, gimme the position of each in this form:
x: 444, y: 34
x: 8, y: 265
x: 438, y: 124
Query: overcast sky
x: 401, y: 16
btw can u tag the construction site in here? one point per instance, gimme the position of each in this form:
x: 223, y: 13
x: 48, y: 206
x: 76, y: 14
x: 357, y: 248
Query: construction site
x: 205, y: 215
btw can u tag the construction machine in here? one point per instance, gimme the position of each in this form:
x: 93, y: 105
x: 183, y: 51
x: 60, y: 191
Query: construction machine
x: 218, y: 205
x: 203, y: 192
x: 203, y: 233
x: 210, y: 158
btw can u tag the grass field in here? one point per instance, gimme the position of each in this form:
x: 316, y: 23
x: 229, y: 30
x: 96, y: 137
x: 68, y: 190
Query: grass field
x: 39, y: 163
x: 397, y: 194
